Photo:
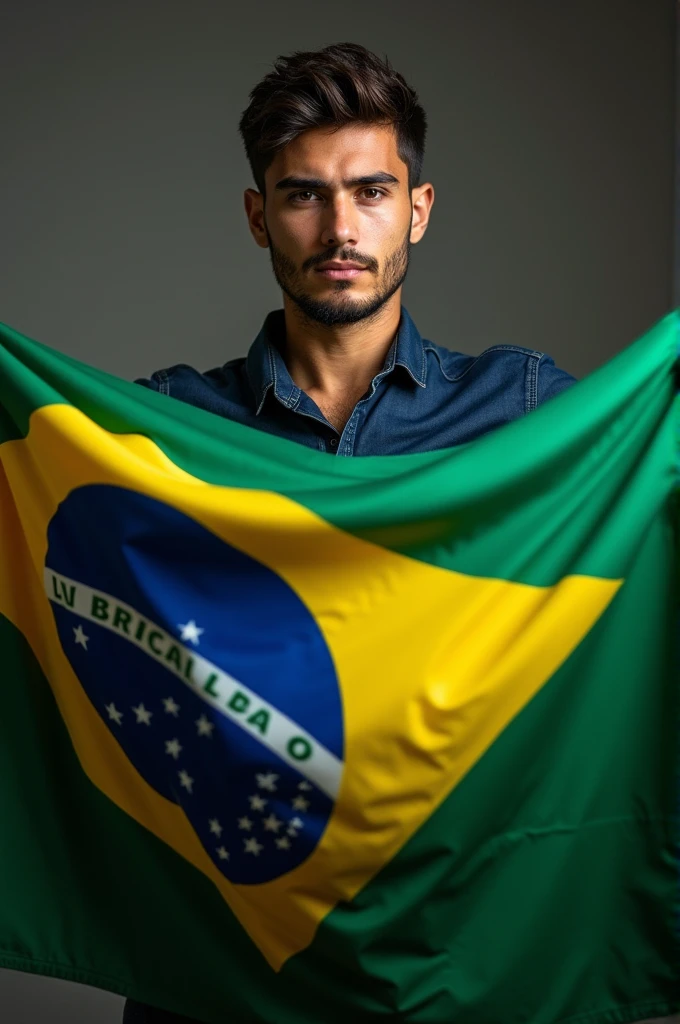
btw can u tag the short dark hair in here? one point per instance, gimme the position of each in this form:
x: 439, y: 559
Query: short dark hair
x: 339, y: 85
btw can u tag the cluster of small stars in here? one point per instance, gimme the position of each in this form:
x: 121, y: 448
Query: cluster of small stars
x: 271, y: 823
x: 143, y: 715
x: 173, y: 747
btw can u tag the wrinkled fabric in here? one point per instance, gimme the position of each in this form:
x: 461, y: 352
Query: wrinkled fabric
x: 425, y: 397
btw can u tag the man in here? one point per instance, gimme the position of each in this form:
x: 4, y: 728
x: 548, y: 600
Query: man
x: 335, y: 140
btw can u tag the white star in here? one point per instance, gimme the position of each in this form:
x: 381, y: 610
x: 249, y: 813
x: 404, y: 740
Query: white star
x: 257, y: 802
x: 190, y: 631
x: 283, y: 843
x: 272, y: 823
x: 222, y: 853
x: 245, y: 823
x: 205, y: 726
x: 185, y: 780
x: 173, y: 747
x: 297, y: 823
x: 215, y: 827
x: 267, y: 780
x: 252, y: 846
x: 291, y: 832
x: 143, y: 716
x: 170, y: 706
x: 79, y: 636
x: 305, y: 786
x: 300, y: 804
x: 114, y: 713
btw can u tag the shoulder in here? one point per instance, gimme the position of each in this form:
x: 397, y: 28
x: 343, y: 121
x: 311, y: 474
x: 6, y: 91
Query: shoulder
x: 224, y: 389
x: 182, y: 379
x: 502, y: 367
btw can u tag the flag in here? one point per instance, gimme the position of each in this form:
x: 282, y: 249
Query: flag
x: 286, y: 737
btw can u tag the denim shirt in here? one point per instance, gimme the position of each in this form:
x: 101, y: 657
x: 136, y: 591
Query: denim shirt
x: 424, y: 397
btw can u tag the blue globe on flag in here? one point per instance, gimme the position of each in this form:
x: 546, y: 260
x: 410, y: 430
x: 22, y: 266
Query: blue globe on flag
x: 208, y: 669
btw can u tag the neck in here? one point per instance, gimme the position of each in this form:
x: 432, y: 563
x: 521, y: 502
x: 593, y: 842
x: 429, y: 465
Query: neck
x: 335, y: 365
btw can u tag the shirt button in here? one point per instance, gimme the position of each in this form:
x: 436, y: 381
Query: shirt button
x: 334, y: 442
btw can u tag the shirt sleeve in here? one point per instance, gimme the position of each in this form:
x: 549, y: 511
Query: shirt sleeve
x: 551, y: 380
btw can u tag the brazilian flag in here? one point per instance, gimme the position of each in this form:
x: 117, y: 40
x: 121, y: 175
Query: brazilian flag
x: 287, y: 738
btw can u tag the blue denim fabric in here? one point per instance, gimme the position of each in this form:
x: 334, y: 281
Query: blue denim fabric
x: 425, y: 397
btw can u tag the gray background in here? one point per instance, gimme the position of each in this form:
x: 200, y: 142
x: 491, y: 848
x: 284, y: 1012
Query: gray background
x: 124, y: 240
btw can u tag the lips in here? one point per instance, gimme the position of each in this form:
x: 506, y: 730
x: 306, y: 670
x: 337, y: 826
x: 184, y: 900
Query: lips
x: 344, y: 265
x: 341, y: 272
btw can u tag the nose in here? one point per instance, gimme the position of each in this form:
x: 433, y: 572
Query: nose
x: 339, y: 224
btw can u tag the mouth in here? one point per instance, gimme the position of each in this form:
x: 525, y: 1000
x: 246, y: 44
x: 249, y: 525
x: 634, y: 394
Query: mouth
x: 339, y: 275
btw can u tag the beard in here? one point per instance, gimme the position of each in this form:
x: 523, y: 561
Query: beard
x: 336, y: 309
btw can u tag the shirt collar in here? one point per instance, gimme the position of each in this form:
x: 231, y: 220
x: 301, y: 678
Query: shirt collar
x: 266, y: 368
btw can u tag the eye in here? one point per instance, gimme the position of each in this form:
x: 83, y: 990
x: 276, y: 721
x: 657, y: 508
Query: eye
x: 296, y: 195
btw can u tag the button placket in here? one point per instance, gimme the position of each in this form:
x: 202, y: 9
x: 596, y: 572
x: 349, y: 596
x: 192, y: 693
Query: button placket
x: 347, y: 438
x: 347, y: 441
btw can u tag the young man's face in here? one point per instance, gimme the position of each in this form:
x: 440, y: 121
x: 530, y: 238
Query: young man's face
x: 321, y: 216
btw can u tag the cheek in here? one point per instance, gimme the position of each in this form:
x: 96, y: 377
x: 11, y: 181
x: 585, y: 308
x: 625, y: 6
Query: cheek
x: 298, y: 237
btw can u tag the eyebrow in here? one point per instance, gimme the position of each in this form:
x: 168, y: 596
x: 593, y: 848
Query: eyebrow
x: 375, y: 178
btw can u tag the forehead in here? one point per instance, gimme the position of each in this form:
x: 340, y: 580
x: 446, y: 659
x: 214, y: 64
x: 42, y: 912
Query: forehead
x: 333, y: 155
